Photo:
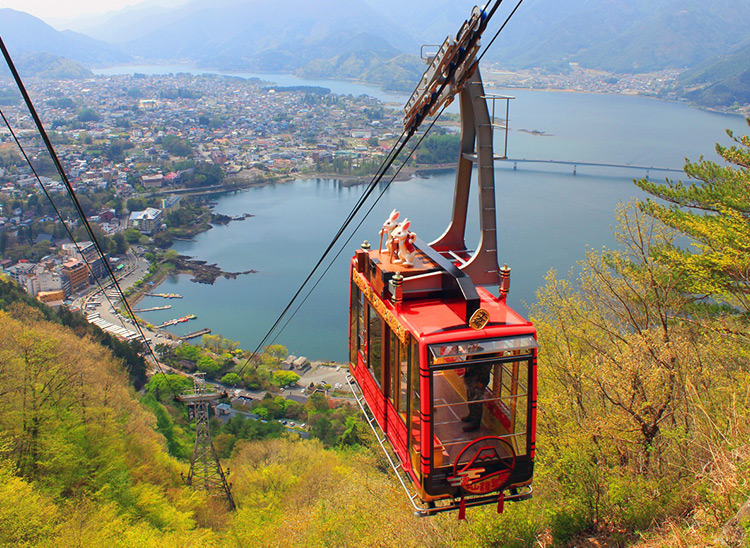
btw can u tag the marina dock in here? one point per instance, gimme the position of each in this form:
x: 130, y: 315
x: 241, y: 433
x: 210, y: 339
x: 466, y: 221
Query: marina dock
x: 165, y: 295
x: 195, y: 334
x: 177, y: 320
x: 165, y: 307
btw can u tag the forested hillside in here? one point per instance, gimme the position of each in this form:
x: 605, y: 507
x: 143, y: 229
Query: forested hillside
x: 643, y: 437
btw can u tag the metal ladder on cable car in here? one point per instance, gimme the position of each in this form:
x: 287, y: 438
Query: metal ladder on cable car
x: 393, y: 459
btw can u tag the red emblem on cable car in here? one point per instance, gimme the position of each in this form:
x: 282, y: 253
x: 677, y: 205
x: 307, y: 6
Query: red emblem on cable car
x: 483, y: 466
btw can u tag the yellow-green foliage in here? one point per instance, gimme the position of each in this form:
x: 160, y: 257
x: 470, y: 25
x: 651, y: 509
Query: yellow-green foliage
x: 712, y: 210
x: 644, y: 422
x: 644, y: 409
x: 294, y: 493
x: 82, y: 465
x: 76, y: 444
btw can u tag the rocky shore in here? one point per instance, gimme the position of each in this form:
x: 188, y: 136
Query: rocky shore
x: 204, y: 273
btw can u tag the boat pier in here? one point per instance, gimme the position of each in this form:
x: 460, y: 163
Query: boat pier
x: 166, y: 307
x: 165, y: 295
x: 177, y: 320
x: 194, y: 334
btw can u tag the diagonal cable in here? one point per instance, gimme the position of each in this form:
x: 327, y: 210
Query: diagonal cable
x: 76, y: 203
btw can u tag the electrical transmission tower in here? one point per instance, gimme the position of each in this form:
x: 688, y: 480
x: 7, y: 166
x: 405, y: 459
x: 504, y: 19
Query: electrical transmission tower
x: 205, y: 469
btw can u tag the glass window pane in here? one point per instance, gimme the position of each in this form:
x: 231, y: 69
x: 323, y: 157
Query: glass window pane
x: 403, y: 367
x: 454, y: 352
x: 393, y: 361
x: 476, y: 400
x: 362, y: 334
x: 375, y: 345
x: 415, y: 442
x: 354, y: 317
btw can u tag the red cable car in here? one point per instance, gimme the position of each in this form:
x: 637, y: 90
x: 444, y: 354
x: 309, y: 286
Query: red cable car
x: 444, y: 369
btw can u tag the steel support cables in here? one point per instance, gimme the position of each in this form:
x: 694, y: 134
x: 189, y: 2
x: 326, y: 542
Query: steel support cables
x: 54, y: 206
x: 364, y: 218
x: 76, y: 203
x: 392, y: 156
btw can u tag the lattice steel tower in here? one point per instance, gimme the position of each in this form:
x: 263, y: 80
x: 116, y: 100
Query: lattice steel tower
x: 205, y: 469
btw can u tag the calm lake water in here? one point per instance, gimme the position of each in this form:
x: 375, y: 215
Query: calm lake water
x: 546, y: 215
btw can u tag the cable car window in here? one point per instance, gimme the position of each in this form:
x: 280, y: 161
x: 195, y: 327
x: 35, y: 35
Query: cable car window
x: 414, y: 410
x: 399, y: 374
x: 480, y: 396
x: 393, y: 367
x: 453, y: 352
x: 403, y: 375
x: 375, y: 345
x: 362, y: 332
x: 355, y: 323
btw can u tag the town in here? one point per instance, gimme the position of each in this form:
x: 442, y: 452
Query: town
x: 141, y: 151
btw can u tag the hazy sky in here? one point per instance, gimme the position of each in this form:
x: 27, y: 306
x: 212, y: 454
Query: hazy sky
x: 66, y: 9
x: 53, y: 11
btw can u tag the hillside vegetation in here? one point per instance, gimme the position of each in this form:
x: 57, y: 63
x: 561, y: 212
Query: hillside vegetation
x: 723, y: 82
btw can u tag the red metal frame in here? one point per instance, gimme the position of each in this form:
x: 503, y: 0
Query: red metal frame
x: 428, y: 322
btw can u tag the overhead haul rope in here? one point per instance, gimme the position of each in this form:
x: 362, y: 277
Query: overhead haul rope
x: 390, y: 158
x: 76, y: 203
x: 361, y: 222
x: 376, y: 179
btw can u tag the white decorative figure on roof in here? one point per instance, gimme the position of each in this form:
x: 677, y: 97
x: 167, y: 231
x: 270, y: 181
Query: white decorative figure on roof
x: 389, y: 226
x: 405, y: 239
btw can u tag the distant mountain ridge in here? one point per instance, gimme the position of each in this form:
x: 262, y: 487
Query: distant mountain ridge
x: 24, y: 33
x: 720, y: 82
x: 364, y: 39
x: 48, y: 66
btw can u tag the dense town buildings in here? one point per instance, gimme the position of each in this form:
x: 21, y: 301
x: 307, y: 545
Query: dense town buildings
x: 136, y: 136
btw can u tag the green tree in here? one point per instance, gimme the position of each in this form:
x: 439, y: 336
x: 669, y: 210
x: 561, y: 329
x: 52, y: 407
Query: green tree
x: 120, y: 243
x: 232, y: 379
x: 177, y: 146
x: 285, y: 378
x: 170, y: 256
x: 712, y: 210
x: 439, y: 149
x: 88, y: 115
x: 207, y: 365
x: 165, y: 386
x: 132, y: 236
x: 634, y: 377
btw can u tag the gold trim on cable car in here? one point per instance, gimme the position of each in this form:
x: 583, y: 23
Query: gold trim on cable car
x: 380, y: 308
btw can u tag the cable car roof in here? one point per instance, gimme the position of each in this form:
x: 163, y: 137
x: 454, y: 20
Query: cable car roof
x: 429, y: 317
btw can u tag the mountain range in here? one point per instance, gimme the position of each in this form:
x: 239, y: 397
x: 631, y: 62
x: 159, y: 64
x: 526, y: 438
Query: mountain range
x: 24, y: 33
x: 364, y: 38
x: 721, y: 82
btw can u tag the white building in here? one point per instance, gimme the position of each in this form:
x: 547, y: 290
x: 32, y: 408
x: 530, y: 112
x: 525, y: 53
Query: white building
x: 146, y: 221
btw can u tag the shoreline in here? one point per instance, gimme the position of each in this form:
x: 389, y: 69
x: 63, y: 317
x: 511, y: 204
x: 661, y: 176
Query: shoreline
x: 744, y: 112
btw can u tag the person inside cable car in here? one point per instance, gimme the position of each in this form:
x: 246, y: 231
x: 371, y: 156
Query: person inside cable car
x: 476, y: 380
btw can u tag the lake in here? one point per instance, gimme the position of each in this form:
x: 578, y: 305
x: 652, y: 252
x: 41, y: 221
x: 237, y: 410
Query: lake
x: 547, y: 216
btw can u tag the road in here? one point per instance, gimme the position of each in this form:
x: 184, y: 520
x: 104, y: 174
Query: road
x: 136, y: 268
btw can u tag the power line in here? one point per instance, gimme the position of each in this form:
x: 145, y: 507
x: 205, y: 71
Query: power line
x: 57, y: 211
x: 76, y: 203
